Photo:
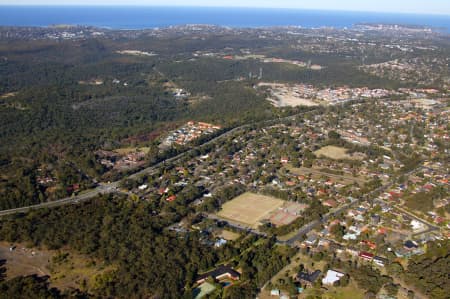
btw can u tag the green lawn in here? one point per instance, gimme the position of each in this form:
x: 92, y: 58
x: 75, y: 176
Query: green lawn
x: 351, y: 291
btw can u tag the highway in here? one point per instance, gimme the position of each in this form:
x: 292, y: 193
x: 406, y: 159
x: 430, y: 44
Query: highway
x: 85, y: 195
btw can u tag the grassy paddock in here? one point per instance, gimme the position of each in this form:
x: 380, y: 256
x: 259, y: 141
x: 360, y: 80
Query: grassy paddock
x: 229, y: 235
x: 128, y: 150
x: 250, y: 208
x: 336, y: 153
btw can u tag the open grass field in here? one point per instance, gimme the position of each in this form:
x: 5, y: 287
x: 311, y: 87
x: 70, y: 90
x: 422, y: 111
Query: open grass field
x: 317, y: 174
x: 250, y: 208
x: 229, y: 235
x: 337, y: 153
x: 127, y: 150
x: 72, y: 272
x: 67, y: 274
x: 24, y: 261
x: 288, y: 236
x: 351, y: 291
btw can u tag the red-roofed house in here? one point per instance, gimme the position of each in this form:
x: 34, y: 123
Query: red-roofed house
x: 365, y: 255
x: 330, y: 203
x: 371, y: 245
x: 439, y: 220
x: 429, y: 187
x: 382, y: 230
x: 171, y: 198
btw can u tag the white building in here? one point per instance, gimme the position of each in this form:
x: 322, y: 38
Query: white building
x: 331, y: 277
x: 143, y: 187
x: 417, y: 225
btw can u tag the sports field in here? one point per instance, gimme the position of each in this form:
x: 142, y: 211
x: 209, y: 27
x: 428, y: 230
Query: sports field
x: 337, y: 153
x: 289, y: 212
x: 249, y: 208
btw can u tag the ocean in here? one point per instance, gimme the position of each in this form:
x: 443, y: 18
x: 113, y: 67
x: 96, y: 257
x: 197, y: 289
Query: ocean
x: 129, y: 17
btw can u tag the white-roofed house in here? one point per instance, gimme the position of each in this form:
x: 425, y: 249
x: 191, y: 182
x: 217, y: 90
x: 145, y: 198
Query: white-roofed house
x: 331, y: 277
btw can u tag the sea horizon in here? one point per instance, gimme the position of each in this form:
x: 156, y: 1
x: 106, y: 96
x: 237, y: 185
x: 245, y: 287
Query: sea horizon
x: 149, y: 17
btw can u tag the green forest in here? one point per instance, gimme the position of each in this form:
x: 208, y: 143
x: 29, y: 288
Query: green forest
x: 149, y: 259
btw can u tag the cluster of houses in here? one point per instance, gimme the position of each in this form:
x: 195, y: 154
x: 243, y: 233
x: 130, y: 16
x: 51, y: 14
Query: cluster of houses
x: 257, y: 159
x: 308, y: 279
x: 365, y: 233
x: 190, y: 131
x: 262, y: 160
x: 327, y: 96
x: 418, y: 70
x: 114, y: 160
x: 45, y: 177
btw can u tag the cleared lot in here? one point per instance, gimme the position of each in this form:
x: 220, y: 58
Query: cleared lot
x: 337, y: 153
x: 249, y: 208
x: 24, y: 261
x: 69, y: 273
x: 318, y: 173
x: 229, y: 235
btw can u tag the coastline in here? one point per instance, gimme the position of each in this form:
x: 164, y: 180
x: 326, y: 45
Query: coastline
x: 150, y: 17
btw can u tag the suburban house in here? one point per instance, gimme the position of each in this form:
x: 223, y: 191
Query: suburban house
x: 410, y: 245
x: 375, y: 219
x: 311, y: 240
x: 380, y: 261
x: 349, y: 236
x: 275, y: 292
x: 171, y: 198
x: 331, y: 277
x: 308, y: 278
x: 220, y: 242
x: 220, y: 273
x: 366, y: 256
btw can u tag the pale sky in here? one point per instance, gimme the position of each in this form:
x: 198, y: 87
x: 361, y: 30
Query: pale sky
x: 405, y: 6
